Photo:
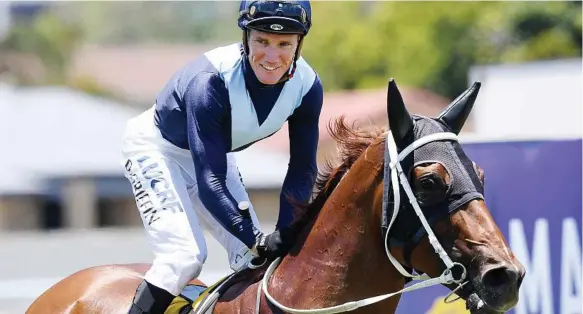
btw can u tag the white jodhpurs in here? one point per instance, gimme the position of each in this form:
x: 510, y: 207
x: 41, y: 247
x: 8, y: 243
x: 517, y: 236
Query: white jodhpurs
x: 164, y: 184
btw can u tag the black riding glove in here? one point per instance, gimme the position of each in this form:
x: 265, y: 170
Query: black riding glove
x: 270, y: 246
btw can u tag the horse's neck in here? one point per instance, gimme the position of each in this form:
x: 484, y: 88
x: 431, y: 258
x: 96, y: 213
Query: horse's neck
x: 342, y: 259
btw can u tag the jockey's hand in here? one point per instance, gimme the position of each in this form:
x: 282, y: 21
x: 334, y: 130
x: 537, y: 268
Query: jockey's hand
x: 270, y: 246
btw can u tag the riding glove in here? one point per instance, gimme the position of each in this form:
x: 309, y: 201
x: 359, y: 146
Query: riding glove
x: 270, y: 246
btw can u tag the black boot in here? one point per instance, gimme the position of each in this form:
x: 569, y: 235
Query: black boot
x: 150, y: 299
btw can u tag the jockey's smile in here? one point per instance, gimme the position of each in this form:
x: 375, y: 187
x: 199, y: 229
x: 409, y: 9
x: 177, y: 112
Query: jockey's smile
x: 271, y: 55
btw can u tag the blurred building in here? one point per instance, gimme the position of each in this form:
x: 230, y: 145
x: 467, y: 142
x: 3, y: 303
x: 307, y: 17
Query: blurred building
x: 60, y: 163
x: 62, y: 168
x: 5, y: 19
x: 134, y: 72
x: 529, y: 99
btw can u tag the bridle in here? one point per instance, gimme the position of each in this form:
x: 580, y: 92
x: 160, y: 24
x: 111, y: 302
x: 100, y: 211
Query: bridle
x: 398, y: 179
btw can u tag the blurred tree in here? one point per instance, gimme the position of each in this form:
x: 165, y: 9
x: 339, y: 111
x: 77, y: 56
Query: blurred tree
x: 38, y: 49
x: 48, y: 38
x: 544, y: 30
x: 352, y: 44
x: 160, y: 22
x: 433, y: 44
x: 343, y: 46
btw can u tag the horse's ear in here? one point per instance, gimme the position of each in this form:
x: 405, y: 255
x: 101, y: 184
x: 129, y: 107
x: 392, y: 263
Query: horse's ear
x: 400, y: 121
x: 456, y: 113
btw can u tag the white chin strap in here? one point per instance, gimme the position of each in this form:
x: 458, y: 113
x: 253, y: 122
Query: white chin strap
x: 397, y: 176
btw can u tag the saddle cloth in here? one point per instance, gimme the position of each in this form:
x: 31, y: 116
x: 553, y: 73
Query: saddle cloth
x: 197, y: 299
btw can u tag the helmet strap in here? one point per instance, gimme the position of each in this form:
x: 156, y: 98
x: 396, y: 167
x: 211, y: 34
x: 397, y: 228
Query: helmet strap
x: 296, y: 57
x: 246, y: 42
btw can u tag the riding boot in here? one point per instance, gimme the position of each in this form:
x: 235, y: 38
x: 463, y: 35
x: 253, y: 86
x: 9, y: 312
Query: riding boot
x: 150, y: 299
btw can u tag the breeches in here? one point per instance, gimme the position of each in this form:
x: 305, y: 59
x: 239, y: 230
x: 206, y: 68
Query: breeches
x: 165, y: 188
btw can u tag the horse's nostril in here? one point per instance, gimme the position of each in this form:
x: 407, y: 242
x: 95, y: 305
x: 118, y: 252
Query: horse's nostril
x: 520, y: 278
x: 500, y: 278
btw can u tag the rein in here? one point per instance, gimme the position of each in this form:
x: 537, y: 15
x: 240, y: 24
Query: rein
x: 398, y: 179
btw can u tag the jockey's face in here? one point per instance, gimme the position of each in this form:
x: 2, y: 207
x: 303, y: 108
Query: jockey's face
x: 271, y: 55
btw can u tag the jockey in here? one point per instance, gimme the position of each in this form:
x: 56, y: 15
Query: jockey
x: 178, y: 155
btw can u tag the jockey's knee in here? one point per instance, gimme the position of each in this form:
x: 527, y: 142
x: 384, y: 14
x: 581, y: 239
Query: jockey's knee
x: 194, y: 261
x: 191, y: 262
x: 175, y: 270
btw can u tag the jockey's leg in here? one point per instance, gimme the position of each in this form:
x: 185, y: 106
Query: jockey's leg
x: 172, y: 228
x: 238, y: 253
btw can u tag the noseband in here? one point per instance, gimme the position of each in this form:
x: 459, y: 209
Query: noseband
x: 397, y: 179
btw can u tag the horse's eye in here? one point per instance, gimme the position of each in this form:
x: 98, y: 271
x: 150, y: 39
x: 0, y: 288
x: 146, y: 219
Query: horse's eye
x: 430, y: 189
x: 427, y: 183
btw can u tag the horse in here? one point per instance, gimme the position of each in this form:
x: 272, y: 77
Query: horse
x: 404, y: 203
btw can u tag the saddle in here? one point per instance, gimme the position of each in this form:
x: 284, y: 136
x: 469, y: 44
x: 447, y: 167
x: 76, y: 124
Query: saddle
x: 198, y: 299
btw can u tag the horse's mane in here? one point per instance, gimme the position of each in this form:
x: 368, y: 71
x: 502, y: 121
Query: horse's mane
x: 351, y: 142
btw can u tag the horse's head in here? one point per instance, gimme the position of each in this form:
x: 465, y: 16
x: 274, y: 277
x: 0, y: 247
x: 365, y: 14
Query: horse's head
x: 428, y: 174
x: 411, y: 195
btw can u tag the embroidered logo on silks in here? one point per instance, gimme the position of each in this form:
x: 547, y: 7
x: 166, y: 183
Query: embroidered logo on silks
x: 276, y: 27
x: 156, y: 186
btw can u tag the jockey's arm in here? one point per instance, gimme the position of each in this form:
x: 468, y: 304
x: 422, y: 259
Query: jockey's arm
x: 303, y: 140
x: 206, y: 100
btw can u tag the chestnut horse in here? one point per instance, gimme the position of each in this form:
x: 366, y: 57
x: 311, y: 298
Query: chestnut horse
x: 400, y: 200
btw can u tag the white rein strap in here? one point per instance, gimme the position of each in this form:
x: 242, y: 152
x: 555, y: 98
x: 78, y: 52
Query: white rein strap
x: 348, y: 306
x: 397, y: 176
